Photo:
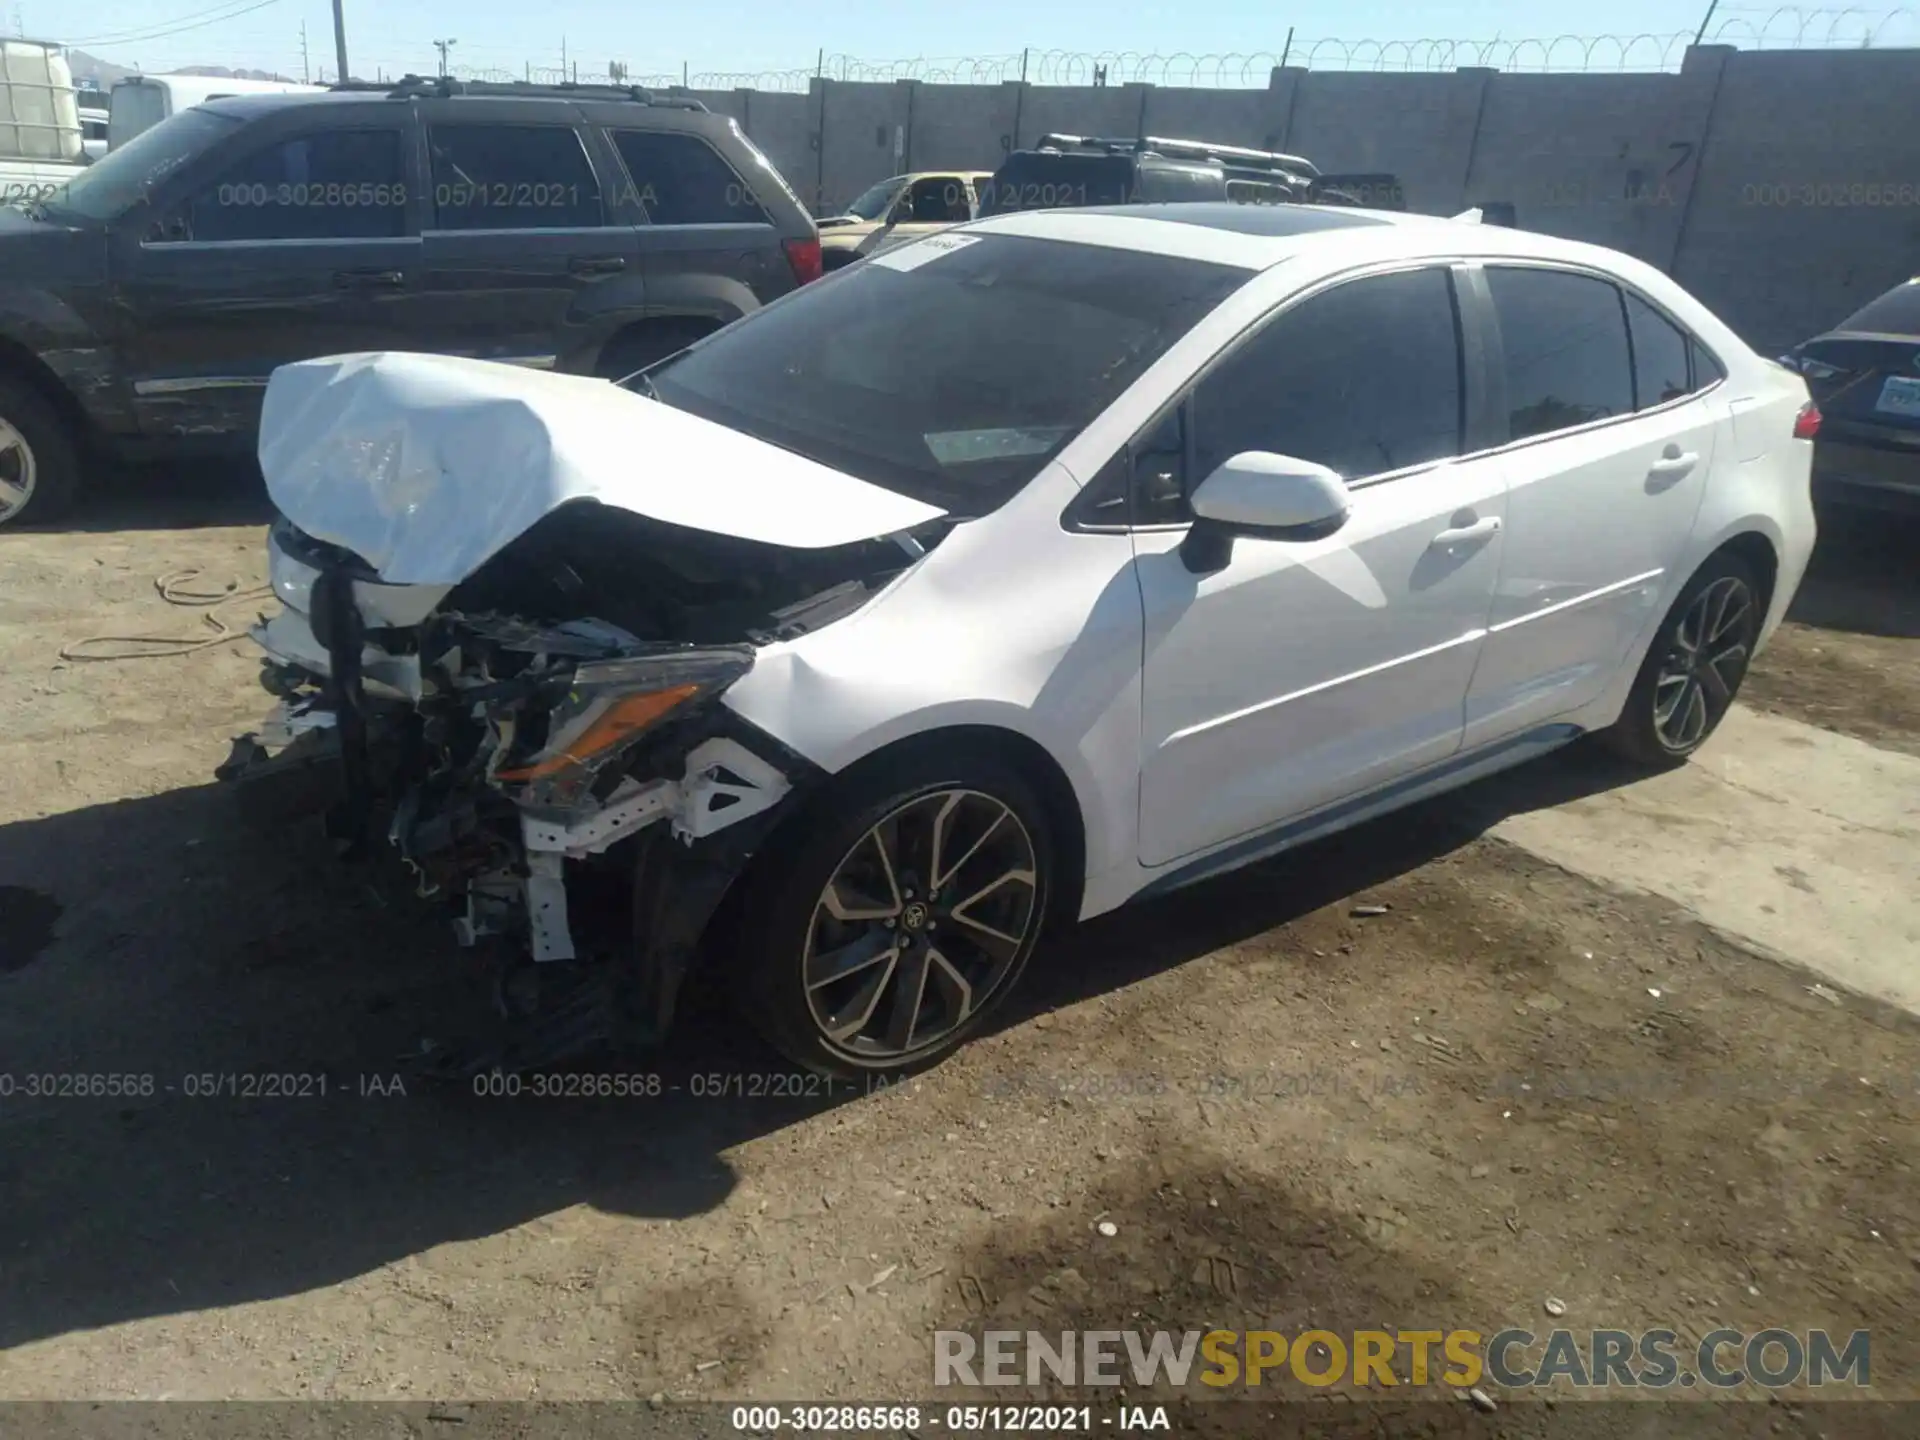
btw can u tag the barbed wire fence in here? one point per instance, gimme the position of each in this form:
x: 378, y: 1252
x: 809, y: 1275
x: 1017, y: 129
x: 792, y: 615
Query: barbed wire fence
x: 1756, y: 27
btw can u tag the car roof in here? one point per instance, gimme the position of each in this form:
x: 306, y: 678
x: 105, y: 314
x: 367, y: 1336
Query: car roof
x: 250, y: 106
x: 1255, y: 237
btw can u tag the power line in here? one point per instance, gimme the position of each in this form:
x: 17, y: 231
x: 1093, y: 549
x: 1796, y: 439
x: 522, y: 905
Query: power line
x: 176, y: 29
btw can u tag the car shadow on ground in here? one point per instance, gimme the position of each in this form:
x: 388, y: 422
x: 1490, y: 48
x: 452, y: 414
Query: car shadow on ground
x: 1862, y: 576
x: 179, y: 495
x: 162, y: 941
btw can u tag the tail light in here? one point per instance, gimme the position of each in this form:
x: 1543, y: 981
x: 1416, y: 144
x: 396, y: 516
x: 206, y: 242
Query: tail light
x: 804, y: 257
x: 1806, y: 424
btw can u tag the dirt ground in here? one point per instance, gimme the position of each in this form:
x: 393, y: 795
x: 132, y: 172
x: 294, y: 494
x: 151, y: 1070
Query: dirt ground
x: 1510, y: 1085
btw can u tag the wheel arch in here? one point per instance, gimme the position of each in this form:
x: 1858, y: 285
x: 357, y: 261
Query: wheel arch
x: 19, y: 363
x: 1029, y: 758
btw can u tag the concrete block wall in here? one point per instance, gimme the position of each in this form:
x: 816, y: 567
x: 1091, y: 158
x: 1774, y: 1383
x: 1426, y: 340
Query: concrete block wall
x: 1783, y: 187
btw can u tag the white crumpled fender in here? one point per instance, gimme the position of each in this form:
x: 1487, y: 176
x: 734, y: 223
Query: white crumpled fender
x: 425, y: 466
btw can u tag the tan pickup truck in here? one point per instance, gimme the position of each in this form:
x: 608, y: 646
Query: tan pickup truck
x: 898, y: 209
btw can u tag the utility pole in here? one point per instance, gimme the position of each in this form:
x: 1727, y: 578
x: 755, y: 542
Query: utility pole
x: 443, y: 46
x: 340, y: 39
x: 306, y: 75
x: 563, y: 59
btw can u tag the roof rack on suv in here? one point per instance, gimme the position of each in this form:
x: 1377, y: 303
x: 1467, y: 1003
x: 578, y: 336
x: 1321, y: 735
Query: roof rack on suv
x: 409, y: 87
x: 1185, y: 150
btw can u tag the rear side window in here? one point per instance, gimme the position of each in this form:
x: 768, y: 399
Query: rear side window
x: 511, y: 177
x: 1660, y: 366
x: 1363, y: 378
x: 334, y: 185
x: 682, y: 180
x: 1565, y: 338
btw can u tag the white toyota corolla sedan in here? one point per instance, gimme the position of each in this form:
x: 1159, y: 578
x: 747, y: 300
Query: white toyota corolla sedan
x: 1055, y: 561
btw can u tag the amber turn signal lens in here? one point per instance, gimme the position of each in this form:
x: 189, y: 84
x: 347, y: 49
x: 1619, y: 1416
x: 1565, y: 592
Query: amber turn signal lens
x: 621, y: 720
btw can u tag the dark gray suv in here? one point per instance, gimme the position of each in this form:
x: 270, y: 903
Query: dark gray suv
x: 580, y: 228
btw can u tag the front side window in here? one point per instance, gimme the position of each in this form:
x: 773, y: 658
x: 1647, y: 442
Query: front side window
x: 511, y: 177
x: 960, y: 365
x: 333, y: 185
x: 1363, y: 378
x: 1565, y: 338
x: 682, y: 180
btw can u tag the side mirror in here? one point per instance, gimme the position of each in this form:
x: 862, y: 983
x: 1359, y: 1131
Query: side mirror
x: 1262, y: 496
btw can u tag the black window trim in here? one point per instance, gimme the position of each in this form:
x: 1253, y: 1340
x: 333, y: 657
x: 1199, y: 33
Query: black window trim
x: 429, y: 220
x: 1490, y: 319
x: 1471, y: 350
x: 615, y: 131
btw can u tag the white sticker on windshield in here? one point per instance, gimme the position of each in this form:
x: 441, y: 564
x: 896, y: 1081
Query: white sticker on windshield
x: 916, y: 253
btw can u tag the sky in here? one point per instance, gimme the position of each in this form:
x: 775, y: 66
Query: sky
x: 744, y: 36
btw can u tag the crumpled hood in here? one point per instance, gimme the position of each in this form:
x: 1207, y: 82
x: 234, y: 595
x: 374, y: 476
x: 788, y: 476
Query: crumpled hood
x: 425, y: 466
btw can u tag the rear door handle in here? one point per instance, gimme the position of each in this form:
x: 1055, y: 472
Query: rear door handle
x: 1467, y: 534
x: 369, y: 279
x: 1673, y: 465
x: 596, y: 264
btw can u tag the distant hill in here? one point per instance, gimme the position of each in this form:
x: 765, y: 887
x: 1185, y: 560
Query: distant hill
x: 104, y: 72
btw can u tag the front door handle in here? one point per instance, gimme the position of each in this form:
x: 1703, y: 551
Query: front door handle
x: 1467, y: 534
x: 596, y: 264
x: 369, y: 279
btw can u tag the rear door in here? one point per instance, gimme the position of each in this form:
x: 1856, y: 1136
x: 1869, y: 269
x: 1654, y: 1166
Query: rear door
x: 290, y: 241
x: 711, y: 248
x: 524, y: 261
x: 1865, y: 377
x: 1611, y: 430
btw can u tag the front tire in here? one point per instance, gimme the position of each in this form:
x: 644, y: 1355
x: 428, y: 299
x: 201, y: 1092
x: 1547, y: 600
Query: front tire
x: 1693, y: 668
x: 899, y: 917
x: 39, y: 462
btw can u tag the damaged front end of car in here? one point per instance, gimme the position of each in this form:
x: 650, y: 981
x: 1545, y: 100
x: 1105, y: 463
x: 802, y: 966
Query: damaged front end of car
x: 568, y: 783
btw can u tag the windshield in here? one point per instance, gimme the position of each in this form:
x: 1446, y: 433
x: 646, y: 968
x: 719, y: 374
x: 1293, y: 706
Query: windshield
x: 960, y: 365
x: 123, y: 175
x: 875, y: 203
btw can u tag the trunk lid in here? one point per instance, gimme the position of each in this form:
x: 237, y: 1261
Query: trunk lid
x: 1867, y: 385
x: 426, y: 466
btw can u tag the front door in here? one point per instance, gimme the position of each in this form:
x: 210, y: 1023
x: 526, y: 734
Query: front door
x: 296, y: 247
x: 522, y: 262
x: 1616, y: 433
x: 1304, y: 672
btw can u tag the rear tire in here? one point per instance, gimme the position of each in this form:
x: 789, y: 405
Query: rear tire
x: 39, y: 461
x: 1693, y: 668
x: 899, y: 916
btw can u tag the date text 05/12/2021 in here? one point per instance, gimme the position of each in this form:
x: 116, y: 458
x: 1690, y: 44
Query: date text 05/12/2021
x: 885, y: 1419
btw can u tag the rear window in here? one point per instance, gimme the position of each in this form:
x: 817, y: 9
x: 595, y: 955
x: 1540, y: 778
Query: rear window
x: 1034, y: 181
x: 961, y: 365
x: 1895, y: 313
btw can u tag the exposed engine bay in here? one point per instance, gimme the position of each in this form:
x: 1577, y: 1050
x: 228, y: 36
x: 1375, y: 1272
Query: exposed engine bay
x: 541, y: 745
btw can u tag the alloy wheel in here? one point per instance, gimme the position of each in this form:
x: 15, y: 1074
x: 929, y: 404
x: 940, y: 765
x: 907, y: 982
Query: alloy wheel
x: 920, y: 924
x: 18, y: 472
x: 1704, y: 665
